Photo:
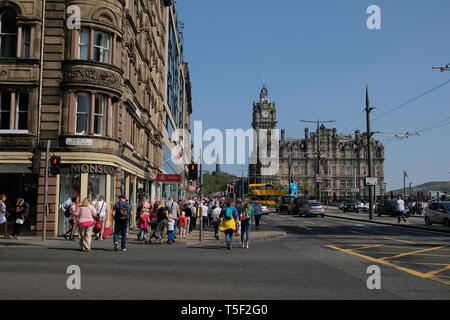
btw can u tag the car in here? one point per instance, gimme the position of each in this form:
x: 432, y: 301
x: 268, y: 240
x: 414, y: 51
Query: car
x: 283, y: 204
x: 312, y: 208
x: 438, y: 212
x: 296, y: 204
x: 350, y: 205
x: 265, y: 209
x: 389, y: 208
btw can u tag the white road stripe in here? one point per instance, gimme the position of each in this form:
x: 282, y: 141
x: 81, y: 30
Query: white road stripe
x: 305, y: 228
x: 364, y: 234
x: 398, y: 240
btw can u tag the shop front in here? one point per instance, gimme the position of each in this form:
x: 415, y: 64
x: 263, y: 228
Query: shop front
x: 84, y: 181
x: 170, y: 185
x: 16, y: 181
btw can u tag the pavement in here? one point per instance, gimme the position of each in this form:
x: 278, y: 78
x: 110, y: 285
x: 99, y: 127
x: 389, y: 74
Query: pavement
x: 265, y: 233
x: 414, y: 222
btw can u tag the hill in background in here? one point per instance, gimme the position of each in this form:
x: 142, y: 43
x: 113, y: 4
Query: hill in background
x: 443, y: 186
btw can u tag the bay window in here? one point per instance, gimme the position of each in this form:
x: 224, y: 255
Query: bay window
x: 94, y: 45
x: 92, y: 114
x: 82, y: 113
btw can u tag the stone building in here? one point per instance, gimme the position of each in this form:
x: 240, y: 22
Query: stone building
x: 110, y: 95
x: 343, y: 159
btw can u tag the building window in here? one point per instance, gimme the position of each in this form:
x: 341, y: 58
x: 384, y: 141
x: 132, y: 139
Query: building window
x: 101, y: 46
x: 22, y: 111
x: 84, y: 44
x: 26, y: 41
x: 19, y: 121
x: 82, y: 112
x: 5, y: 108
x: 8, y: 33
x: 99, y: 112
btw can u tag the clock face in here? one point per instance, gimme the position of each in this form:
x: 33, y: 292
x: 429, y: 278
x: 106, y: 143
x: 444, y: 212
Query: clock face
x: 265, y: 113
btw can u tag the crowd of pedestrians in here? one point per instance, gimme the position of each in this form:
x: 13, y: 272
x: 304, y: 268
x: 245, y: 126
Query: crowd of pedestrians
x: 158, y: 221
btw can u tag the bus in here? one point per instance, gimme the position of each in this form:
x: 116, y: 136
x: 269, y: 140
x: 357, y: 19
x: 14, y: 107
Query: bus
x: 266, y: 194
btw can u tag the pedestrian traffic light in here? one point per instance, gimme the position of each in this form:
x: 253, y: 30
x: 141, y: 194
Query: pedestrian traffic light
x: 55, y: 165
x: 193, y: 171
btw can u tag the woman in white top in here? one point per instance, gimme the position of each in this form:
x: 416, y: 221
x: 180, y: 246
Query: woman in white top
x: 3, y: 214
x: 101, y: 211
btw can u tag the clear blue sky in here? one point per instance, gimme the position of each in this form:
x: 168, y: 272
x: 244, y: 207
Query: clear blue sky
x: 317, y: 57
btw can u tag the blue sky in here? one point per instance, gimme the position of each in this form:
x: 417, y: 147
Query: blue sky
x: 317, y: 56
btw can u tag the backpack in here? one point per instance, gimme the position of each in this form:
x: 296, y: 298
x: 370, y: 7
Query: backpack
x: 124, y: 214
x: 244, y: 215
x: 67, y: 212
x: 229, y: 213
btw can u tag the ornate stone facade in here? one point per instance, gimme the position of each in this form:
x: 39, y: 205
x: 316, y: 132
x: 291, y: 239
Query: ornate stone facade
x: 103, y: 99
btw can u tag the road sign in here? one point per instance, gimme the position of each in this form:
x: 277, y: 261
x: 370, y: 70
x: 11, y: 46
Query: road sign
x: 371, y: 181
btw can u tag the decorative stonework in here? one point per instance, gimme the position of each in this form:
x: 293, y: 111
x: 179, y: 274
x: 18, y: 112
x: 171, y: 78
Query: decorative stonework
x: 93, y: 76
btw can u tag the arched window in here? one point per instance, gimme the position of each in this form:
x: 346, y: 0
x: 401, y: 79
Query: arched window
x: 8, y: 33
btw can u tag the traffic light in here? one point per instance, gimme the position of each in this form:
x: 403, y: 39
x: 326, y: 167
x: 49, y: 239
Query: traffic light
x: 55, y: 165
x: 35, y: 163
x: 193, y: 171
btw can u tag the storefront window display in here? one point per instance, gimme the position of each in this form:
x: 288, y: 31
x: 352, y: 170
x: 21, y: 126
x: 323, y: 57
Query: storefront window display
x: 96, y: 187
x: 69, y: 188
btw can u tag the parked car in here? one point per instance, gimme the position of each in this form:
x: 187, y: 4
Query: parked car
x: 350, y: 205
x: 296, y: 204
x: 438, y: 212
x: 283, y: 204
x: 312, y: 208
x: 389, y: 208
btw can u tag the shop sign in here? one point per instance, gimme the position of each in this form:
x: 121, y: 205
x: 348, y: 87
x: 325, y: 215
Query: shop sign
x: 168, y: 177
x: 79, y: 142
x: 92, y: 169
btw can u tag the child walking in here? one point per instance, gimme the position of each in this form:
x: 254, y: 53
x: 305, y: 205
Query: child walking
x: 143, y: 224
x: 183, y: 225
x: 170, y: 229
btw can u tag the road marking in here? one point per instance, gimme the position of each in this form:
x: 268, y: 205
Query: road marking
x: 305, y: 228
x: 398, y: 240
x: 309, y: 222
x: 416, y: 273
x: 355, y: 232
x: 413, y: 252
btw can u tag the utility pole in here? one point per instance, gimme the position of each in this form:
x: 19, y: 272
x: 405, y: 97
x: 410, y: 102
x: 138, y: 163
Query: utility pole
x: 410, y: 189
x: 369, y: 155
x: 405, y: 175
x: 44, y: 220
x: 318, y: 184
x: 201, y: 196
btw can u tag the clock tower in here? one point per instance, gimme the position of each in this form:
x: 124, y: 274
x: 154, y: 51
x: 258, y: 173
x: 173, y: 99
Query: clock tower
x: 264, y: 117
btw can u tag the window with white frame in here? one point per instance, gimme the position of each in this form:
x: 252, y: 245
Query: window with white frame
x: 99, y: 113
x: 82, y: 113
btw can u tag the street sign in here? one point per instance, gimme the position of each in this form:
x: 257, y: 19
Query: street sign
x: 79, y: 142
x: 355, y: 190
x: 371, y: 181
x: 168, y: 177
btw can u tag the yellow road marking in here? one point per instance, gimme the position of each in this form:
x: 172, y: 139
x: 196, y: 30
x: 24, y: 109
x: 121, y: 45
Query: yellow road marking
x: 413, y: 252
x: 435, y: 272
x: 416, y: 273
x: 422, y: 263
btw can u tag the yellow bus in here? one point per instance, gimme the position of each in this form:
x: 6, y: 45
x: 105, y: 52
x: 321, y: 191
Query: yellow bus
x: 266, y: 194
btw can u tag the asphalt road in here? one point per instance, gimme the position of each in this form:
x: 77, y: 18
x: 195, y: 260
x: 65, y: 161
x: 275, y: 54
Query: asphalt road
x: 321, y: 258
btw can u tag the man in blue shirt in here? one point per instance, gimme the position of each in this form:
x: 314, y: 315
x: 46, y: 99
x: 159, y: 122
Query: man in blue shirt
x: 122, y: 215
